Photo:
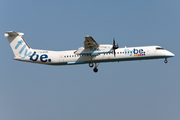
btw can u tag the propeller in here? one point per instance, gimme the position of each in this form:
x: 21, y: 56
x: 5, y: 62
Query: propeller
x: 114, y: 47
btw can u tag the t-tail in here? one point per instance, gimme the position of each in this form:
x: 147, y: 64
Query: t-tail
x: 19, y: 46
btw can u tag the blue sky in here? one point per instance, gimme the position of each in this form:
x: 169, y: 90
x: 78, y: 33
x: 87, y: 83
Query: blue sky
x: 135, y: 90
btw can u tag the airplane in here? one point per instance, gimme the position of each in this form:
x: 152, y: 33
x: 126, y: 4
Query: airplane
x: 92, y: 53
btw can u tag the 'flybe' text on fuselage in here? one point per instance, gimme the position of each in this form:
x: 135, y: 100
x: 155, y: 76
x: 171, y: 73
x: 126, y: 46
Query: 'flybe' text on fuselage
x: 136, y: 52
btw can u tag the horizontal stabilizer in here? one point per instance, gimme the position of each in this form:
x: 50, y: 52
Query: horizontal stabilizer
x: 12, y: 33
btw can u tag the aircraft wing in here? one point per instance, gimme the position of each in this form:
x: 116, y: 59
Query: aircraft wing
x: 91, y: 47
x: 90, y: 43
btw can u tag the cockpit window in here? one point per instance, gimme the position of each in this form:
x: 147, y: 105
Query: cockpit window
x: 159, y: 48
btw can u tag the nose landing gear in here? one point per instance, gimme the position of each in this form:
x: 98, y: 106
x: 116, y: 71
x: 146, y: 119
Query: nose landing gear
x: 165, y: 61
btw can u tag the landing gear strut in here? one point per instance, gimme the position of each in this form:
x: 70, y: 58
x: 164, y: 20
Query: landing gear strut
x: 91, y: 63
x: 165, y: 61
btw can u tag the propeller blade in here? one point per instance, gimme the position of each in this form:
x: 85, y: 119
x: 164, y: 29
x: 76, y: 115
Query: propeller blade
x: 114, y: 53
x: 114, y: 47
x: 113, y: 42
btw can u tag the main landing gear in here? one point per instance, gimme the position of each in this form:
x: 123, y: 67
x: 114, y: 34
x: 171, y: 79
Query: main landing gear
x: 165, y: 61
x: 95, y: 68
x: 91, y: 64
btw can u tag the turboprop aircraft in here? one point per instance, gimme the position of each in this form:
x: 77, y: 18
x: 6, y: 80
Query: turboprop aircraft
x: 92, y: 53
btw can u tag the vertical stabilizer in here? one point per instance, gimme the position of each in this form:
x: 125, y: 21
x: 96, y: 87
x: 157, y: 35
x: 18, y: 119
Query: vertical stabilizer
x: 19, y: 46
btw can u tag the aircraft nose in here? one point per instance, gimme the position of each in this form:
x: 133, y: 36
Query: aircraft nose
x: 170, y: 54
x: 173, y: 54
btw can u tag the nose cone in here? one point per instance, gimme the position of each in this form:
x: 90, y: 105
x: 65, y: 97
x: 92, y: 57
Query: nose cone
x: 170, y: 54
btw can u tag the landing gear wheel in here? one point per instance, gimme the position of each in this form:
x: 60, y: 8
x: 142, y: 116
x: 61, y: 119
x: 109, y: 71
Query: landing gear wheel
x: 95, y: 70
x: 91, y: 64
x: 165, y: 61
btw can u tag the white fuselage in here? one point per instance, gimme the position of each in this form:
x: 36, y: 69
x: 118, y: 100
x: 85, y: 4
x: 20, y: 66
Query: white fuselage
x: 70, y: 57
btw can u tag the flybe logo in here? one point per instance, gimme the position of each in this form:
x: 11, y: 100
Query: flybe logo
x: 136, y: 52
x: 34, y: 56
x: 43, y: 57
x: 22, y: 49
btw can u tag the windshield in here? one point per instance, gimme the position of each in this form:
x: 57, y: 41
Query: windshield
x: 159, y: 48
